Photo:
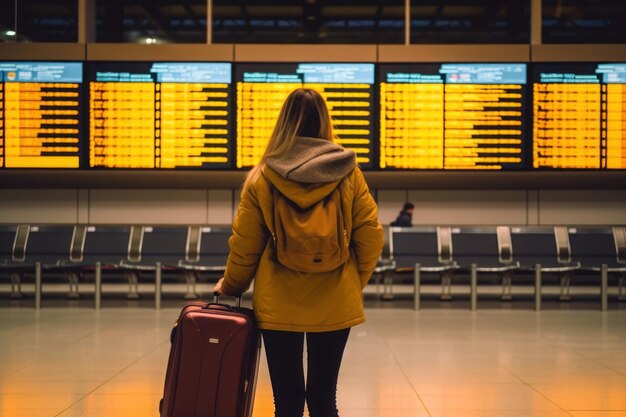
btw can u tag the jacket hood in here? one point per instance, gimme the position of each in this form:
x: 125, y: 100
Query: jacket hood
x: 310, y: 170
x: 302, y: 194
x: 314, y: 161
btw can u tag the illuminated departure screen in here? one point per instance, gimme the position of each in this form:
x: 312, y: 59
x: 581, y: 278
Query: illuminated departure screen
x: 453, y: 116
x: 159, y: 115
x: 579, y: 116
x: 39, y: 114
x: 262, y: 89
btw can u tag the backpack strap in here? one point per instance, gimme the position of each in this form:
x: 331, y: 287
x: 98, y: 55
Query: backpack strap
x: 272, y: 229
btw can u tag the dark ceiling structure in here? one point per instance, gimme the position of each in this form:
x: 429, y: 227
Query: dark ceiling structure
x: 316, y: 21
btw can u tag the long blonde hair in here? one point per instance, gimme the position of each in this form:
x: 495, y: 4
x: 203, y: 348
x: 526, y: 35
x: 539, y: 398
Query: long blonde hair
x: 304, y: 113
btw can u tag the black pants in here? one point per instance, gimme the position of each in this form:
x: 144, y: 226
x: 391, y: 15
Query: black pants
x: 284, y: 357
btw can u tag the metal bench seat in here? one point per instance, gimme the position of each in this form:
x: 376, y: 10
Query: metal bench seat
x: 486, y: 250
x: 127, y: 266
x: 545, y: 250
x: 137, y: 250
x: 616, y: 269
x: 97, y: 250
x: 424, y: 249
x: 206, y: 251
x: 150, y: 249
x: 602, y: 251
x: 429, y: 269
x: 33, y: 247
x: 576, y: 266
x: 501, y: 268
x: 13, y: 240
x: 200, y: 268
x: 385, y: 267
x: 7, y: 241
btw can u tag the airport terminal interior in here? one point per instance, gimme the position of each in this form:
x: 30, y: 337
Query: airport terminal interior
x: 127, y: 129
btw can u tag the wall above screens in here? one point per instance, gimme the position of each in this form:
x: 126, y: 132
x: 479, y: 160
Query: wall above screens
x: 203, y: 116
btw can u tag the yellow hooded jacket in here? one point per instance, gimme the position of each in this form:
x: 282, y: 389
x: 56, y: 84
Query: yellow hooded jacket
x: 289, y: 300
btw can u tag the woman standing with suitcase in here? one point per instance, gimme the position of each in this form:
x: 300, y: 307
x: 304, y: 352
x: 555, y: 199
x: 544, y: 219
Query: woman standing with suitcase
x: 307, y: 232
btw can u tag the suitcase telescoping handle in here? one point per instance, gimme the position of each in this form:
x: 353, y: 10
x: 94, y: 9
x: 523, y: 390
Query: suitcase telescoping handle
x: 216, y: 300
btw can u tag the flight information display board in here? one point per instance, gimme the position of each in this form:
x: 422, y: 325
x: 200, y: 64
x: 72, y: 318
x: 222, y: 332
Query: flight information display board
x: 40, y: 121
x: 160, y: 115
x: 579, y: 116
x: 347, y: 88
x: 453, y: 116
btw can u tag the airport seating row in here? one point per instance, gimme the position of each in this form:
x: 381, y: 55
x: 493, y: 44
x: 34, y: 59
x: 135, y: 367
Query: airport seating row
x: 144, y: 253
x: 560, y: 251
x: 132, y: 251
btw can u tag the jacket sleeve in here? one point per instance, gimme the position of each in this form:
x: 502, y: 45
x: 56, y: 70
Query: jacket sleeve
x: 367, y: 233
x: 249, y: 238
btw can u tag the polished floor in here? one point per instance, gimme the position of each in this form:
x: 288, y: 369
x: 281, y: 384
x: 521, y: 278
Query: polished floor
x: 74, y: 361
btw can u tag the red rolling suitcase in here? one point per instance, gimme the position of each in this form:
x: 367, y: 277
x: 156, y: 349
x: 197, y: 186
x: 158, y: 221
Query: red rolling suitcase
x: 213, y: 362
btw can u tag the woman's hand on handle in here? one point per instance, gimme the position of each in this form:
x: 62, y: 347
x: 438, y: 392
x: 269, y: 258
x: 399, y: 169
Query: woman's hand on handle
x: 218, y: 287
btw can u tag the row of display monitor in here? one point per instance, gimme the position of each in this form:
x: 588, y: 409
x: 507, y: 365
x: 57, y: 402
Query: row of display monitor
x: 496, y: 116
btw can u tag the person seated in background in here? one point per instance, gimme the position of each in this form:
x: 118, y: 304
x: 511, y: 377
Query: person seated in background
x: 405, y: 218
